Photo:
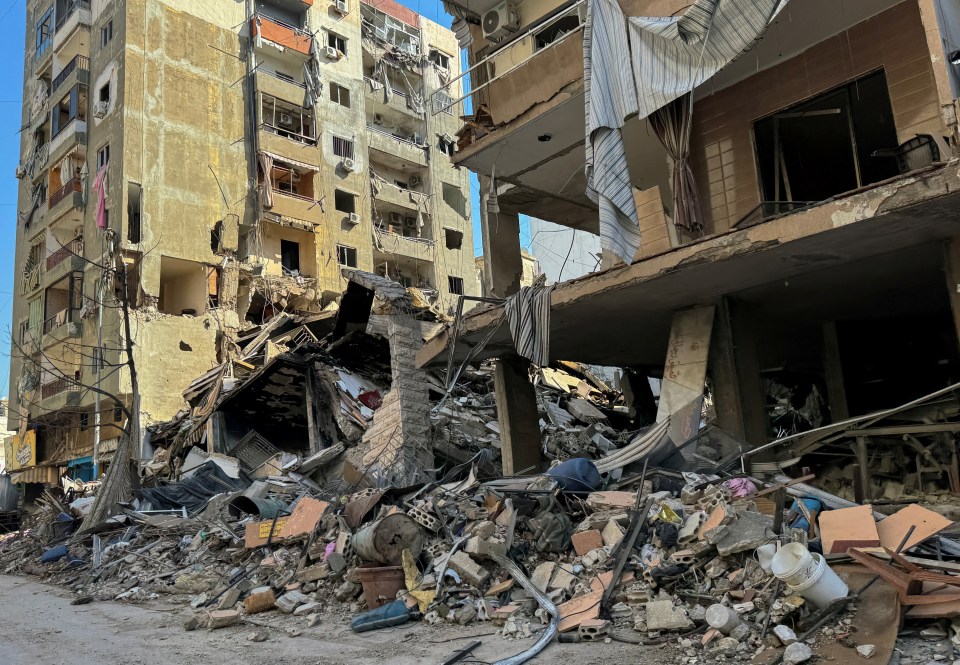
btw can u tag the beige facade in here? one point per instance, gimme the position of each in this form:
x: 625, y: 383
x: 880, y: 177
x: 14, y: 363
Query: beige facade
x: 245, y: 158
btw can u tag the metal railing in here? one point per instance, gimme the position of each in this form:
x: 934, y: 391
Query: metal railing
x: 383, y: 230
x: 400, y: 139
x: 57, y: 386
x: 60, y: 318
x: 72, y: 248
x: 72, y: 7
x: 490, y: 58
x: 73, y: 185
x: 285, y: 79
x: 287, y: 134
x: 292, y: 195
x: 81, y: 62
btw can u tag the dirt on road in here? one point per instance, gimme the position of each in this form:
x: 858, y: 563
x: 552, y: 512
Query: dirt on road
x: 39, y: 626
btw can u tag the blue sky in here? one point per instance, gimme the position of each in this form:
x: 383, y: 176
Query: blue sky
x: 13, y: 15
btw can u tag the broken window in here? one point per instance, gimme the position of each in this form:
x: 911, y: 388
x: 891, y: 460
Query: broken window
x: 288, y: 120
x: 336, y: 41
x: 73, y: 106
x: 290, y: 256
x: 442, y: 102
x: 342, y: 147
x: 44, y: 32
x: 104, y: 95
x: 106, y: 33
x: 439, y: 58
x: 84, y: 419
x: 556, y: 30
x: 455, y: 285
x: 347, y: 256
x: 103, y: 156
x: 291, y: 180
x: 340, y: 94
x: 183, y: 286
x: 134, y: 210
x: 826, y: 145
x: 454, y: 198
x: 453, y: 238
x: 344, y: 201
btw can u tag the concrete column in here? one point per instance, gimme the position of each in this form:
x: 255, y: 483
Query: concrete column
x: 517, y: 415
x: 735, y: 369
x: 833, y: 374
x: 502, y: 262
x: 952, y: 270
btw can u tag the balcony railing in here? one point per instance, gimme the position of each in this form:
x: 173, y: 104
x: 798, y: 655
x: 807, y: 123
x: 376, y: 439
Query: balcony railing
x: 73, y: 185
x: 60, y: 318
x: 285, y: 79
x: 81, y: 62
x: 283, y: 192
x: 57, y: 386
x: 72, y: 6
x: 72, y: 248
x: 281, y: 33
x: 400, y: 139
x: 287, y: 134
x: 373, y: 82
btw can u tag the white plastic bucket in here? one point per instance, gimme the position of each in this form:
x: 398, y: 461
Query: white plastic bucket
x: 764, y: 555
x: 823, y: 587
x: 793, y: 564
x: 722, y: 618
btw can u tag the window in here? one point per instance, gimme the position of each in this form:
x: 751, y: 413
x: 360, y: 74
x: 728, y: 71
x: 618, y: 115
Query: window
x: 340, y: 95
x: 454, y: 198
x: 44, y: 32
x: 453, y: 238
x: 117, y: 414
x: 442, y: 102
x: 337, y: 42
x: 439, y: 58
x: 71, y: 107
x: 134, y: 211
x: 106, y: 33
x: 104, y: 95
x: 84, y: 421
x: 284, y: 76
x: 344, y: 201
x: 288, y: 120
x: 347, y: 256
x: 103, y: 157
x: 342, y: 147
x: 455, y: 285
x: 556, y: 30
x: 401, y: 184
x: 290, y: 256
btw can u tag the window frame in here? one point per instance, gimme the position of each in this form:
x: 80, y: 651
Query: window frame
x: 340, y: 90
x: 106, y: 33
x: 454, y: 281
x: 345, y: 145
x: 336, y: 40
x: 345, y: 252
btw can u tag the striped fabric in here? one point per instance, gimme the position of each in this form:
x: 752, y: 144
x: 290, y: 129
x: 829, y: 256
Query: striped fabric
x: 638, y: 65
x: 528, y: 313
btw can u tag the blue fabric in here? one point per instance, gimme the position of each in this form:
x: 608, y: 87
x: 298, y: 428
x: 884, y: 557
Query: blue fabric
x: 812, y: 505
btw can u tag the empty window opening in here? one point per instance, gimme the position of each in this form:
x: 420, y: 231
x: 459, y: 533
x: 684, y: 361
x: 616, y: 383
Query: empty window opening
x: 183, y: 287
x: 344, y: 201
x: 340, y: 95
x: 825, y: 146
x: 336, y: 41
x: 134, y: 211
x: 454, y: 198
x: 453, y: 239
x: 106, y: 33
x: 439, y: 58
x: 104, y: 95
x: 103, y: 156
x: 290, y: 180
x: 71, y: 107
x: 288, y: 120
x: 347, y: 256
x: 117, y: 415
x: 401, y: 184
x: 455, y: 285
x: 84, y: 421
x: 45, y: 31
x: 556, y: 30
x: 342, y: 147
x: 290, y: 256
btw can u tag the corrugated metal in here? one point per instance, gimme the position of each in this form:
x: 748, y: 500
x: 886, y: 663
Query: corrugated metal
x: 38, y: 474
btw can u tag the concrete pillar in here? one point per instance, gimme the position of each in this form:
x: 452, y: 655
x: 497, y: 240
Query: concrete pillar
x: 502, y: 262
x: 737, y: 389
x: 833, y: 374
x: 952, y: 270
x: 517, y: 415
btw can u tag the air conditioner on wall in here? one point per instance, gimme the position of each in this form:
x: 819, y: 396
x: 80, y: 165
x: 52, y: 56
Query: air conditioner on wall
x: 378, y: 118
x: 348, y: 164
x: 395, y: 218
x: 285, y: 120
x: 415, y: 181
x: 500, y: 21
x: 100, y: 109
x: 353, y: 218
x: 333, y: 53
x: 341, y: 6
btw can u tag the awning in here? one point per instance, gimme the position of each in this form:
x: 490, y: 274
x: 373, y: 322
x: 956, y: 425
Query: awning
x: 291, y: 162
x: 80, y: 461
x: 38, y: 474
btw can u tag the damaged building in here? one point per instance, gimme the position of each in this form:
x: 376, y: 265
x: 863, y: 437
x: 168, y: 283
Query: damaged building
x: 215, y: 166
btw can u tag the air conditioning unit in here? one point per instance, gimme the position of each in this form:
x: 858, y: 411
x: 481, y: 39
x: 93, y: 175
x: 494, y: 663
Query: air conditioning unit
x: 333, y: 53
x: 446, y: 138
x: 353, y: 218
x: 100, y: 109
x: 341, y: 6
x: 285, y: 120
x: 415, y: 181
x: 410, y: 222
x: 396, y: 218
x: 21, y: 172
x: 348, y: 164
x: 378, y: 118
x: 416, y: 138
x: 500, y: 21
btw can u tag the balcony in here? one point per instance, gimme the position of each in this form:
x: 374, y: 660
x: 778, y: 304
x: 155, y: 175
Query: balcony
x: 75, y: 71
x: 291, y: 208
x: 72, y: 134
x: 73, y: 27
x: 59, y: 393
x: 68, y: 197
x: 420, y: 249
x: 63, y: 325
x: 395, y: 146
x: 281, y: 87
x: 399, y: 99
x: 57, y: 386
x: 68, y: 258
x: 286, y: 37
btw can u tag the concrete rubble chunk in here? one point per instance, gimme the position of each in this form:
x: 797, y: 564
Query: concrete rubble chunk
x: 612, y: 533
x: 260, y: 601
x: 306, y: 608
x: 291, y: 600
x: 785, y: 634
x: 798, y: 652
x: 469, y: 570
x: 866, y: 650
x: 222, y: 618
x: 662, y: 615
x: 585, y: 541
x: 542, y: 575
x: 229, y: 598
x: 748, y: 532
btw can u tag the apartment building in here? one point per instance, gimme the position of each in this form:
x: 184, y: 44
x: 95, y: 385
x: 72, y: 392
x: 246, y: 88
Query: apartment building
x: 773, y: 184
x: 228, y: 158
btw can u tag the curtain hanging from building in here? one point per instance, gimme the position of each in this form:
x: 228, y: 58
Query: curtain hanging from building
x: 266, y: 188
x: 100, y: 187
x: 640, y: 64
x: 672, y: 125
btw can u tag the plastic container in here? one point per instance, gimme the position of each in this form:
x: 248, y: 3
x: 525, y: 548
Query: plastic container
x: 823, y: 586
x: 722, y: 618
x: 391, y: 614
x: 764, y: 555
x: 382, y: 542
x: 794, y: 564
x: 380, y: 584
x: 576, y: 476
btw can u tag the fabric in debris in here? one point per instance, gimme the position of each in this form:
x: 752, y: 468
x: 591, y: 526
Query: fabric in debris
x: 100, y: 187
x: 311, y: 74
x: 740, y: 487
x: 194, y: 492
x: 528, y: 313
x: 266, y: 169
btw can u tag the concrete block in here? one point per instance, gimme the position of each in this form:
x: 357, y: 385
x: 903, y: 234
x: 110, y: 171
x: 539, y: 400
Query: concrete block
x: 594, y: 630
x: 469, y: 570
x: 662, y: 615
x: 222, y: 618
x: 612, y: 533
x: 291, y: 600
x: 542, y: 575
x: 584, y: 541
x: 260, y: 601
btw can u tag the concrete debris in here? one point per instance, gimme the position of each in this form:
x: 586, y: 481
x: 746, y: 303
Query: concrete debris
x: 798, y: 652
